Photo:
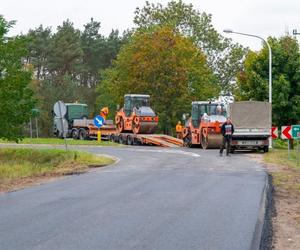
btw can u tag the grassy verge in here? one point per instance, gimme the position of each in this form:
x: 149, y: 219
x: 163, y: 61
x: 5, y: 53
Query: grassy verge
x: 22, y: 167
x: 281, y: 157
x: 55, y: 141
x: 285, y: 170
x: 288, y: 175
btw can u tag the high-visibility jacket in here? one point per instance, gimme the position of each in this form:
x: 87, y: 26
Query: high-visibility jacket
x: 104, y: 112
x: 178, y: 128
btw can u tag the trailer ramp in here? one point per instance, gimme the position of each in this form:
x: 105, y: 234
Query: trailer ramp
x: 161, y: 140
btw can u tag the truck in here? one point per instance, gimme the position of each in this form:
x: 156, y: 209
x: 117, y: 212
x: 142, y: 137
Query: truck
x: 252, y: 125
x: 77, y: 125
x: 135, y: 124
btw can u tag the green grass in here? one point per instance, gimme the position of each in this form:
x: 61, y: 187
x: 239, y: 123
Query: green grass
x: 20, y: 163
x: 281, y: 157
x: 55, y: 141
x: 280, y: 144
x: 287, y: 177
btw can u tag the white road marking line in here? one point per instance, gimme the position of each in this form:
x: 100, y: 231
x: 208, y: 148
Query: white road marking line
x: 163, y: 151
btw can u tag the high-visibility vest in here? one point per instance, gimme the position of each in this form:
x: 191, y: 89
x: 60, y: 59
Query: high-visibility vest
x: 178, y: 128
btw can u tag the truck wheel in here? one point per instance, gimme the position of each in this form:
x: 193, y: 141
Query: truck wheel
x: 266, y: 149
x: 116, y: 138
x: 232, y: 149
x: 130, y: 140
x: 82, y: 134
x: 112, y: 138
x: 74, y: 134
x: 120, y: 139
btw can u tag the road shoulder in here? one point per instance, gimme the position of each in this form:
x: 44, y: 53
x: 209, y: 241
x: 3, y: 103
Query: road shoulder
x: 285, y: 189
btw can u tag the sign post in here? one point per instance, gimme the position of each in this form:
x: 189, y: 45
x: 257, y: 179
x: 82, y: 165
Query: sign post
x: 286, y: 135
x: 60, y: 111
x: 98, y: 122
x: 296, y: 135
x: 99, y: 135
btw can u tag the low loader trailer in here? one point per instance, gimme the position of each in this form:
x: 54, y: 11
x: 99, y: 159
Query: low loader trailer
x: 85, y: 129
x: 78, y: 126
x: 147, y: 139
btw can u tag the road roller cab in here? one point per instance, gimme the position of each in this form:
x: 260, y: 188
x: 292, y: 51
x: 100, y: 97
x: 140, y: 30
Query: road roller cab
x: 136, y: 116
x: 204, y: 126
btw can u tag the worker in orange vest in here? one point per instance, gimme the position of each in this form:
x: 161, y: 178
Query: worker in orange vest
x: 104, y: 112
x: 179, y: 130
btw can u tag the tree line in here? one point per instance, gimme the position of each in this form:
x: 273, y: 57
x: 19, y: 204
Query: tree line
x: 173, y: 53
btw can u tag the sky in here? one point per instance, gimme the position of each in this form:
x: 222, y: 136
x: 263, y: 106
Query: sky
x: 259, y: 17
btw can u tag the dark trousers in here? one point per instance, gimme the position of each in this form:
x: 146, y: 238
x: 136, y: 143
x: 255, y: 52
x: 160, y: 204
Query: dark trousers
x: 225, y: 143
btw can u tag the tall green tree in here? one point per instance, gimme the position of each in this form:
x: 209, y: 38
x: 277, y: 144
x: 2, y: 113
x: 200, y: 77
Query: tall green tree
x: 39, y: 50
x: 16, y: 97
x: 165, y: 65
x: 253, y: 80
x: 65, y: 56
x: 223, y: 56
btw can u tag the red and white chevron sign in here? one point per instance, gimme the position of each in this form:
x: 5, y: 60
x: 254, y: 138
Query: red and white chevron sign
x: 286, y: 132
x: 274, y: 132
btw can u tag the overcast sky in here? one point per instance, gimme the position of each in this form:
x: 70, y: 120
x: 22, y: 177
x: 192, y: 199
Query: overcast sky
x: 260, y: 17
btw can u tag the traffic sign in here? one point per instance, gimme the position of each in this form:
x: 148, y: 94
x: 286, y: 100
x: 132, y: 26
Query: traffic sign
x: 296, y: 131
x: 286, y: 132
x: 62, y: 127
x: 274, y: 132
x: 60, y: 109
x: 99, y: 121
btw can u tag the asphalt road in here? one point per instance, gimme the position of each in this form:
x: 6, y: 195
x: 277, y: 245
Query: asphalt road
x: 153, y: 198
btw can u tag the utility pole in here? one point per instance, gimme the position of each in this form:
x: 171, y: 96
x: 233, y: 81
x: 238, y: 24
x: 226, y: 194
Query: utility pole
x: 295, y: 33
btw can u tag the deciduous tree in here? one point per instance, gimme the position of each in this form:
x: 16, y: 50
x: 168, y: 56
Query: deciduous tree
x: 164, y: 64
x: 223, y: 56
x: 16, y: 97
x: 253, y: 80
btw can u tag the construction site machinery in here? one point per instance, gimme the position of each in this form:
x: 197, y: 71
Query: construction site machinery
x: 252, y: 126
x: 204, y: 126
x: 136, y: 116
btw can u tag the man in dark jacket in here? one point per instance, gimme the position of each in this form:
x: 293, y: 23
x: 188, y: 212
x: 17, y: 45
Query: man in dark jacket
x: 227, y: 130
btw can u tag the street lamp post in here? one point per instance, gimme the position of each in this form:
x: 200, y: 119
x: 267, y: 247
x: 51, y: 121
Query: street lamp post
x: 270, y: 68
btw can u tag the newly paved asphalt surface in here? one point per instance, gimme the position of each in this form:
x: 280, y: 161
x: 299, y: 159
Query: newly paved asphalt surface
x: 153, y: 198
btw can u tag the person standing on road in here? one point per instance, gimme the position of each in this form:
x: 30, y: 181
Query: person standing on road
x: 179, y: 130
x: 227, y: 130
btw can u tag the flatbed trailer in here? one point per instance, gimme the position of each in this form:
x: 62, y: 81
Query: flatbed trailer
x: 147, y: 139
x: 85, y: 129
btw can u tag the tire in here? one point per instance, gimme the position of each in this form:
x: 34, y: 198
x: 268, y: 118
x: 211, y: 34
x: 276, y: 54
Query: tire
x: 266, y: 149
x: 112, y: 138
x: 82, y: 135
x: 130, y: 140
x: 116, y: 139
x: 232, y: 149
x: 74, y: 134
x: 121, y: 141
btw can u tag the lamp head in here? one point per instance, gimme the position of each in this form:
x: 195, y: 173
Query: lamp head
x: 228, y: 31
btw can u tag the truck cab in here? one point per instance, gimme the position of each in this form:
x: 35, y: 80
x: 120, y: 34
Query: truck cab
x: 74, y: 111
